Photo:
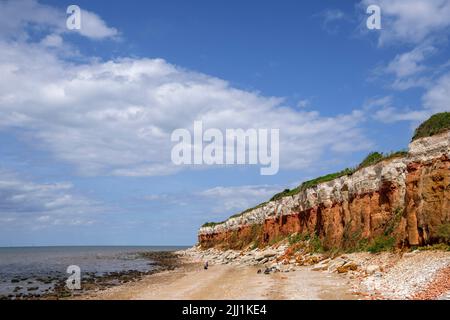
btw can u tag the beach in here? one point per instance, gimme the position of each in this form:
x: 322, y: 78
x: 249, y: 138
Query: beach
x: 223, y: 282
x: 267, y: 274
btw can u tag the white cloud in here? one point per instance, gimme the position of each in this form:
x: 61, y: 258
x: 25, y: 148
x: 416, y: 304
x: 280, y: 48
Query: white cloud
x: 39, y: 205
x: 409, y: 69
x: 382, y: 109
x: 239, y: 197
x: 409, y: 63
x: 411, y: 21
x: 425, y: 25
x: 92, y: 26
x: 116, y: 117
x: 437, y: 98
x: 52, y: 40
x: 19, y: 16
x: 304, y: 103
x: 391, y: 114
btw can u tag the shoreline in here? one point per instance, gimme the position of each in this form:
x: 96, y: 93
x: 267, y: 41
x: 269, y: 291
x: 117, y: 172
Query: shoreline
x: 387, y: 275
x: 91, y: 281
x: 271, y: 273
x: 162, y: 261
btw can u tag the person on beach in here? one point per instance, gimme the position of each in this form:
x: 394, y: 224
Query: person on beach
x: 206, y: 265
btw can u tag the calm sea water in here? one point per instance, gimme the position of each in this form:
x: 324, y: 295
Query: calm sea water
x: 26, y: 267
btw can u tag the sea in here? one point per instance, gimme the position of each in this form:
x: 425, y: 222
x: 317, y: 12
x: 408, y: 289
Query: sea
x: 38, y: 268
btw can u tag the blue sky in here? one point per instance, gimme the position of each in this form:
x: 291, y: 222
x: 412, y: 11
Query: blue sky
x: 86, y: 116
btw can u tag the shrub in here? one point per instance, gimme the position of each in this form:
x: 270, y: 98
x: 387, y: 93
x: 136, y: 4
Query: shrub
x: 381, y: 243
x: 314, y: 182
x: 436, y: 124
x: 277, y: 239
x: 211, y: 224
x: 443, y: 232
x: 394, y: 222
x: 298, y: 237
x: 372, y: 158
x: 376, y: 157
x: 280, y: 195
x: 437, y: 246
x: 315, y: 244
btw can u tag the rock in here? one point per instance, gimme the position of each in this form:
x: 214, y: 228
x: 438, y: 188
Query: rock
x: 342, y: 269
x: 266, y: 254
x: 259, y: 256
x: 371, y: 269
x: 321, y: 266
x: 349, y: 266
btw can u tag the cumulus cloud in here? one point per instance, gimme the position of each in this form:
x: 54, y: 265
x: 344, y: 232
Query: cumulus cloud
x: 116, y: 117
x: 27, y: 203
x: 412, y: 21
x: 94, y: 27
x: 17, y: 17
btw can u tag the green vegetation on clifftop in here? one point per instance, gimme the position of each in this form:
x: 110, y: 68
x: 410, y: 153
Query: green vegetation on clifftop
x: 437, y: 123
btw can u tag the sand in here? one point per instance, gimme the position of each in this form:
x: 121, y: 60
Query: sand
x: 221, y: 282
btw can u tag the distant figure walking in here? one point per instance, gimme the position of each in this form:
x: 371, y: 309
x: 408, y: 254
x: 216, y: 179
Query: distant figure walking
x: 205, y: 266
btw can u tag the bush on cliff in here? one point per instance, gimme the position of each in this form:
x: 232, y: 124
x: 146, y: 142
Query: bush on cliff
x: 381, y: 243
x: 443, y: 232
x: 376, y: 157
x: 372, y: 158
x: 437, y: 123
x: 329, y: 177
x: 211, y: 224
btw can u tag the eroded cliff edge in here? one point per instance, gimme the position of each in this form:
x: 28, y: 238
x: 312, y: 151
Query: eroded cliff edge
x: 406, y: 199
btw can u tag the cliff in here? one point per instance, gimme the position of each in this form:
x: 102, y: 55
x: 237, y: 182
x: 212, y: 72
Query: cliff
x: 404, y: 199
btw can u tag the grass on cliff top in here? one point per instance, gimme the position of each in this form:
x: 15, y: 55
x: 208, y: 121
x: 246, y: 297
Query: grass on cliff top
x: 211, y: 224
x: 437, y: 123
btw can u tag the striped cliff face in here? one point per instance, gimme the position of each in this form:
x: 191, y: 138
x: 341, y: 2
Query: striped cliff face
x: 407, y: 198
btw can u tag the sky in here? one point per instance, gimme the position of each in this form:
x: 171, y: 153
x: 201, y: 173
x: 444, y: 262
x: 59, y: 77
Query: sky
x: 86, y: 115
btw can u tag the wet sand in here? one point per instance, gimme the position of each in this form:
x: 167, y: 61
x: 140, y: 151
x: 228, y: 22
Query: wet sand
x: 220, y: 282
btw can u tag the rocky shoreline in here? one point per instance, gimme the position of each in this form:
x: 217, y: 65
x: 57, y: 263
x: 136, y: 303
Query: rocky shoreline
x: 384, y: 275
x: 54, y: 287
